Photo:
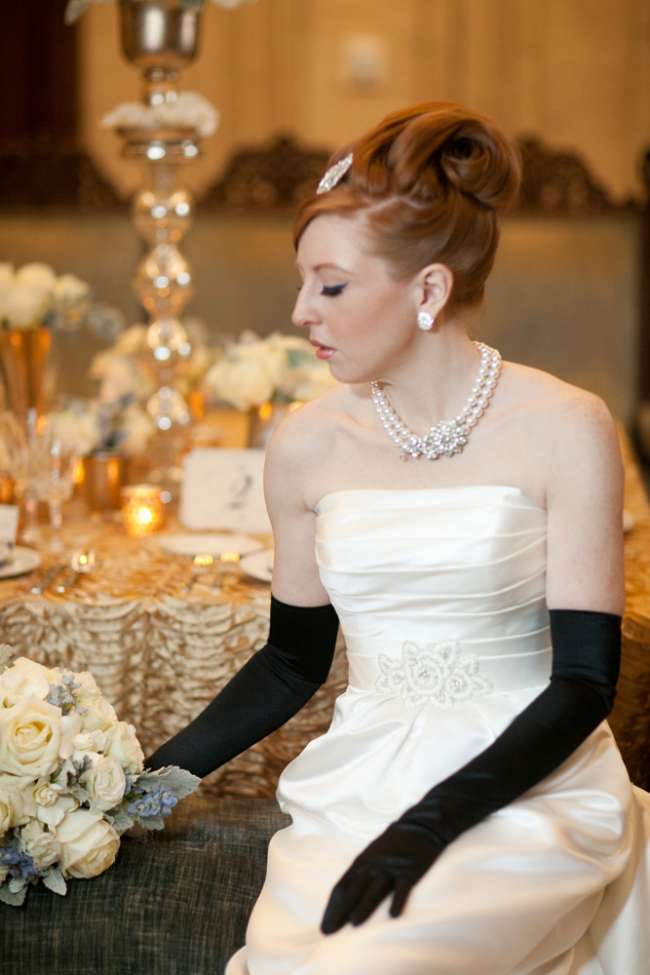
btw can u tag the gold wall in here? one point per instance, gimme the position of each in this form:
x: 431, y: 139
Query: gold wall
x: 575, y: 72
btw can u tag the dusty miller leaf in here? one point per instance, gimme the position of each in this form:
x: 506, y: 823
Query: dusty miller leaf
x: 178, y: 780
x: 13, y: 899
x: 55, y: 881
x: 151, y: 822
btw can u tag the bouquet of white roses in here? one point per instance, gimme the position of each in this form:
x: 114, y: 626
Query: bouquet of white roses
x: 277, y: 369
x: 71, y: 780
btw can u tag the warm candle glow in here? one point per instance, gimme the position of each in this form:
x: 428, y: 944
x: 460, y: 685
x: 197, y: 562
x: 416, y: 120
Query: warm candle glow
x: 142, y: 509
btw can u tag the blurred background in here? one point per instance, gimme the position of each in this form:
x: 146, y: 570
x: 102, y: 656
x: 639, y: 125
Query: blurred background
x: 292, y: 80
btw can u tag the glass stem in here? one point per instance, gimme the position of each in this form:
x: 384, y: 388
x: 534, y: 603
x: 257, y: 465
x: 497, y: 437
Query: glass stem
x: 56, y: 518
x: 31, y: 532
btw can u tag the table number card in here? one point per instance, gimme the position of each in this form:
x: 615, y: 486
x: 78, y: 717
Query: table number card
x: 222, y: 488
x: 8, y: 523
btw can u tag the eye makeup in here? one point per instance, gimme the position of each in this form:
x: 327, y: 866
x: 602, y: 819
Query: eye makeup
x: 332, y: 290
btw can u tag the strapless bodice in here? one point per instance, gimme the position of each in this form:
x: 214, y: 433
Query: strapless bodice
x: 440, y: 591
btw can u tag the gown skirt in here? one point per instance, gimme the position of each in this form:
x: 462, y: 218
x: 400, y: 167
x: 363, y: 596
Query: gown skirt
x: 441, y: 597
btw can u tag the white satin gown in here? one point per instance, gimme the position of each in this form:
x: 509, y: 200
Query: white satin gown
x: 441, y: 597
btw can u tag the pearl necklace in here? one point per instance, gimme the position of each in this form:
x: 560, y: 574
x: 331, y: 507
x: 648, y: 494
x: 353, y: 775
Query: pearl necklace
x: 447, y: 437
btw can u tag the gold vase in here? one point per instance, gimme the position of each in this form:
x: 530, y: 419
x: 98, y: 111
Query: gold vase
x: 23, y: 357
x: 104, y: 478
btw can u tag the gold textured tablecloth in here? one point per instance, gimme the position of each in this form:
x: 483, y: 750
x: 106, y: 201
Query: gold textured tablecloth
x: 160, y: 652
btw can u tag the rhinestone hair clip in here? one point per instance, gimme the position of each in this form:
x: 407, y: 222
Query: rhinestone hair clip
x: 335, y: 173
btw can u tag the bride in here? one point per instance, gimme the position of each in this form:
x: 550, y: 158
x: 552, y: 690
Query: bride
x: 467, y: 810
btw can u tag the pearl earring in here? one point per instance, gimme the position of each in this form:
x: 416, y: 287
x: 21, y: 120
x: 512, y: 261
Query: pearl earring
x: 425, y: 321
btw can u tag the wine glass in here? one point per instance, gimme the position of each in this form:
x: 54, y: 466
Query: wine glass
x: 29, y: 471
x: 52, y: 469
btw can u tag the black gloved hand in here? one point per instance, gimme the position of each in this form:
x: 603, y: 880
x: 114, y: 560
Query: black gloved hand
x: 586, y: 661
x: 268, y: 690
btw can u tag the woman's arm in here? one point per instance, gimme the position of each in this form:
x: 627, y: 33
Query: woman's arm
x: 281, y: 677
x: 585, y: 568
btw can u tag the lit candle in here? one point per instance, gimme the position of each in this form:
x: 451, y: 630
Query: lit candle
x: 143, y: 510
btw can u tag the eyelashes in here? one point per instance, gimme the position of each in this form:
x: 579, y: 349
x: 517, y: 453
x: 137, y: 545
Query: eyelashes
x: 329, y: 290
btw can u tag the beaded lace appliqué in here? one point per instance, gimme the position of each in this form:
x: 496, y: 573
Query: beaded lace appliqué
x: 437, y: 673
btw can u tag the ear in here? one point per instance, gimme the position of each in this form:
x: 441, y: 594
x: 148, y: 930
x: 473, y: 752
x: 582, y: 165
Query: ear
x: 434, y: 285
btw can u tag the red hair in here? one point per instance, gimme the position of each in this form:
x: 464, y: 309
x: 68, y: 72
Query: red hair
x: 428, y: 182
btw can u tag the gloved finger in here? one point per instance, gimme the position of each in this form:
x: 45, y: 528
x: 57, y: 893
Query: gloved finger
x: 342, y: 901
x: 378, y: 887
x: 403, y: 888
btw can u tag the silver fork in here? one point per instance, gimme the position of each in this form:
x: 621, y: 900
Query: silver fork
x: 46, y: 579
x: 81, y: 563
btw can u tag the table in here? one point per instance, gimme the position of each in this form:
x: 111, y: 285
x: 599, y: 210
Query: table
x: 160, y: 653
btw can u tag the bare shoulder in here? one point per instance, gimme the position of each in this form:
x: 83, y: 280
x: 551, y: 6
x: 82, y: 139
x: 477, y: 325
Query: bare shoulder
x: 551, y: 402
x: 297, y: 446
x: 576, y: 432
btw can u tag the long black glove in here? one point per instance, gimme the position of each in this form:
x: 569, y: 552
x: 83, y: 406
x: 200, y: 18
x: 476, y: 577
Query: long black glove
x: 586, y: 661
x: 268, y: 690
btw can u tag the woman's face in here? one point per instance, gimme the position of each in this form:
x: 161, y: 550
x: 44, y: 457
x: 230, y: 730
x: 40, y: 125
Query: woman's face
x: 349, y: 302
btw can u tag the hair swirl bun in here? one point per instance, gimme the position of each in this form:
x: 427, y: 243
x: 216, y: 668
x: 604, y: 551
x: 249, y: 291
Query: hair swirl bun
x: 429, y: 181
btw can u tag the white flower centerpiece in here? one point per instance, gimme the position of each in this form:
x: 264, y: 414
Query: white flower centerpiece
x: 127, y: 369
x: 279, y: 369
x: 267, y: 377
x: 72, y: 779
x: 96, y: 426
x: 34, y: 296
x: 35, y: 303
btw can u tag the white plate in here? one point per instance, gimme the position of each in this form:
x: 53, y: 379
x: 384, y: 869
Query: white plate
x: 629, y: 521
x: 207, y: 543
x: 258, y: 566
x: 22, y: 560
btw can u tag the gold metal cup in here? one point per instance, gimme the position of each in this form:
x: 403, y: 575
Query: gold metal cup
x: 104, y: 476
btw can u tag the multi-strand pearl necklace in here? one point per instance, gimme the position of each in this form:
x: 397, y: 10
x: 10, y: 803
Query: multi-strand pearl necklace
x: 447, y: 437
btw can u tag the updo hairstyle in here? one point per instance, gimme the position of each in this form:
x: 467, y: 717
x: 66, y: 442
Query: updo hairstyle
x: 428, y: 182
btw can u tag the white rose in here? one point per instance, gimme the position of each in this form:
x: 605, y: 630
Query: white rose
x: 25, y: 306
x: 30, y: 738
x: 70, y: 728
x: 90, y: 741
x: 100, y: 715
x: 124, y: 747
x: 69, y: 289
x: 87, y: 682
x: 120, y: 377
x: 43, y: 847
x: 75, y: 429
x: 138, y: 430
x: 54, y: 814
x: 46, y: 793
x: 244, y: 383
x: 16, y: 801
x: 89, y: 844
x: 105, y: 782
x: 25, y: 678
x: 36, y: 275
